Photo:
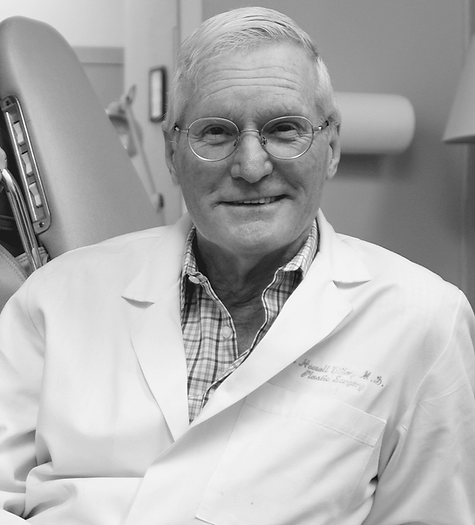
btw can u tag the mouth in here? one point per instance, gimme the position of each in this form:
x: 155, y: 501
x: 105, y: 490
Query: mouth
x: 255, y: 202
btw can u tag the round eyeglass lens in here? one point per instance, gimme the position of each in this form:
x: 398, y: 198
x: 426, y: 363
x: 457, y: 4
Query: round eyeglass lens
x: 213, y: 138
x: 288, y: 137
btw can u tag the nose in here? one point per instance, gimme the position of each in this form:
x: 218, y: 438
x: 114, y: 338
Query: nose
x: 251, y: 161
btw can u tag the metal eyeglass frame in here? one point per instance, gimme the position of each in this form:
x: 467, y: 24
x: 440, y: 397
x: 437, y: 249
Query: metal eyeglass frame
x: 263, y: 140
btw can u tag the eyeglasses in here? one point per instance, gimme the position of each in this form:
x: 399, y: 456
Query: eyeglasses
x: 214, y: 138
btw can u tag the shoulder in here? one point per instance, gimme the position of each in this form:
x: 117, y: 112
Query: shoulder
x: 117, y: 259
x: 384, y: 263
x: 106, y: 269
x: 418, y: 315
x: 400, y: 285
x: 354, y: 260
x: 122, y: 246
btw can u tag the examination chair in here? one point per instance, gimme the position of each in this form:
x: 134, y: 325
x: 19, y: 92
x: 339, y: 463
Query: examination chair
x: 66, y: 179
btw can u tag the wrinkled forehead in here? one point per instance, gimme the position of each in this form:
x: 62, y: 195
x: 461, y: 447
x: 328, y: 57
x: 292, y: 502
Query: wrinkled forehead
x: 276, y: 65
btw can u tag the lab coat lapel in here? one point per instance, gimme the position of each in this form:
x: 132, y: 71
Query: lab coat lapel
x: 155, y: 327
x: 312, y: 312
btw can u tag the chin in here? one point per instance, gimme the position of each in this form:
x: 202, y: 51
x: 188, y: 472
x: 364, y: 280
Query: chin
x: 258, y: 245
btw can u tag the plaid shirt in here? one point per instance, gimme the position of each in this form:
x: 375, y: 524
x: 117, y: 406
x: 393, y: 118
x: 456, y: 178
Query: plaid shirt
x: 208, y: 329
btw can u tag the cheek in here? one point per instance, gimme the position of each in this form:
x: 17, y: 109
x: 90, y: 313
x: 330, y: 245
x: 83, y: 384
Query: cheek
x: 187, y: 175
x: 196, y: 183
x: 320, y: 168
x: 312, y: 182
x: 312, y: 176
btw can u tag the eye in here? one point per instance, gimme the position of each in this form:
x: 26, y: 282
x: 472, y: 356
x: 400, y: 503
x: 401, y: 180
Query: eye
x: 285, y: 130
x: 213, y: 133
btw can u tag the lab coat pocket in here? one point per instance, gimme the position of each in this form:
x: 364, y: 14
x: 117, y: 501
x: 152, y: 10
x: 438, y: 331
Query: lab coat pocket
x: 292, y: 459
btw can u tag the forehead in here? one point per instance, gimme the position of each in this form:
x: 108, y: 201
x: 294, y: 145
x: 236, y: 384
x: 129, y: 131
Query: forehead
x: 275, y: 79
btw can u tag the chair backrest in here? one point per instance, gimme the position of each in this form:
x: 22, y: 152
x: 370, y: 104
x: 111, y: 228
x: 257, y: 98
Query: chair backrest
x: 79, y: 184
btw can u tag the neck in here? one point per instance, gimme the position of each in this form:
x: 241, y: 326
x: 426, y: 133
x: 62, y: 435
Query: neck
x: 239, y: 281
x: 239, y: 278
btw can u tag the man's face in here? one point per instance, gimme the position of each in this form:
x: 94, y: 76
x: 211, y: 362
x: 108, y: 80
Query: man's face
x: 251, y: 204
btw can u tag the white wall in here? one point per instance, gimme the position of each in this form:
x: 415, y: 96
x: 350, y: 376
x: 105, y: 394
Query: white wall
x: 81, y: 22
x: 153, y: 30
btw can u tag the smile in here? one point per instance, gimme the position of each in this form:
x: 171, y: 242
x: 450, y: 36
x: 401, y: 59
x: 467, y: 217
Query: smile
x: 262, y: 200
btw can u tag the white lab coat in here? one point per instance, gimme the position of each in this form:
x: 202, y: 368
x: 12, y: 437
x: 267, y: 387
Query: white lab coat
x: 356, y: 407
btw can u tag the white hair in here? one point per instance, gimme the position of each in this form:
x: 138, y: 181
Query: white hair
x: 242, y: 29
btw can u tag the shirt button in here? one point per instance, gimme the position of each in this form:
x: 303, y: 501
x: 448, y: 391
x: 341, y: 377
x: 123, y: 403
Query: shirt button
x: 227, y: 332
x: 194, y: 280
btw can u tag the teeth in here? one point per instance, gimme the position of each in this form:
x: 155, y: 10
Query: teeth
x: 264, y: 200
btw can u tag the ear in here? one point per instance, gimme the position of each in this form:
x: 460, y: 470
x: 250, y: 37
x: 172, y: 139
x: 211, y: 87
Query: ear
x: 170, y: 149
x: 334, y: 153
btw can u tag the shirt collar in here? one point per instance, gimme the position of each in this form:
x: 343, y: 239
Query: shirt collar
x: 305, y: 256
x: 190, y: 266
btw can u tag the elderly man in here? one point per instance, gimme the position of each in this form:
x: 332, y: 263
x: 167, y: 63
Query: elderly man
x: 247, y: 365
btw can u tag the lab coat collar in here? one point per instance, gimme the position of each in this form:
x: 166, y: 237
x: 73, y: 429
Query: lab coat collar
x: 153, y: 305
x: 159, y: 273
x: 344, y: 264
